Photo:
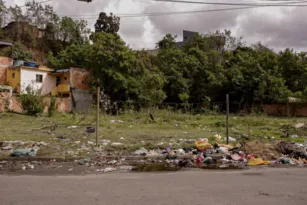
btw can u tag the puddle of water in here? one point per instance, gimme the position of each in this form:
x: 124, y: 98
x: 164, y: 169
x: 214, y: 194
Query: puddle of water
x: 155, y: 167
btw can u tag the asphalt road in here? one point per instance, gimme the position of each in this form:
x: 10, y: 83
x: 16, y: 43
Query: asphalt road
x: 252, y: 187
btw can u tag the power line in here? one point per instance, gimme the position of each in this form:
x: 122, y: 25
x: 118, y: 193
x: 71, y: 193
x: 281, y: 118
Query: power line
x: 248, y: 6
x: 175, y: 13
x: 288, y: 4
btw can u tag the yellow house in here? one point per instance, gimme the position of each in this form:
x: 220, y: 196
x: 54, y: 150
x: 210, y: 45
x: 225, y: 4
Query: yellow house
x: 62, y: 82
x: 39, y: 79
x: 48, y: 81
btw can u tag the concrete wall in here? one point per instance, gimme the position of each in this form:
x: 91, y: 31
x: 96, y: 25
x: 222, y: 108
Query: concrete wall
x: 28, y: 78
x: 5, y: 62
x: 82, y: 100
x: 49, y: 83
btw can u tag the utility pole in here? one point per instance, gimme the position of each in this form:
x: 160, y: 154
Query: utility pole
x: 227, y: 118
x: 97, y: 114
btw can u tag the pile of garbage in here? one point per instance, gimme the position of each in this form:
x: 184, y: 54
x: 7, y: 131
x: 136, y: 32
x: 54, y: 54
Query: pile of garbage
x: 252, y: 153
x: 19, y: 148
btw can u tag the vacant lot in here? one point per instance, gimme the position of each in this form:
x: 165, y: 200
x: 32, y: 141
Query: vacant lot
x: 134, y: 130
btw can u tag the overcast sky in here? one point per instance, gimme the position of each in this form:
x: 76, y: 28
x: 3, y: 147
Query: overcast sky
x: 275, y: 27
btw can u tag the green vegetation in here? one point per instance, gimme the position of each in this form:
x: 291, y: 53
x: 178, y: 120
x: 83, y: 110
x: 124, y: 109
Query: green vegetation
x: 32, y: 102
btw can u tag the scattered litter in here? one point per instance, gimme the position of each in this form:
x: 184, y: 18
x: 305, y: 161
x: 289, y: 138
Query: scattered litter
x: 9, y: 147
x: 43, y: 144
x: 201, y: 145
x: 71, y: 169
x: 293, y: 136
x: 203, y: 140
x: 122, y: 138
x: 116, y: 121
x: 24, y: 153
x: 231, y: 139
x: 112, y: 162
x: 90, y: 130
x: 72, y: 127
x: 299, y: 125
x: 77, y: 142
x: 181, y: 151
x: 116, y: 144
x: 141, y: 151
x: 90, y: 143
x: 31, y: 166
x: 257, y: 161
x: 108, y: 169
x: 218, y: 138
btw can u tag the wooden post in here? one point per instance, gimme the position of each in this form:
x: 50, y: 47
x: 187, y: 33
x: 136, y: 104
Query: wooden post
x: 227, y: 118
x: 97, y: 115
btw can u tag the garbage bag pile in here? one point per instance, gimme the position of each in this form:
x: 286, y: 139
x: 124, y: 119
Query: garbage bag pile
x: 252, y: 153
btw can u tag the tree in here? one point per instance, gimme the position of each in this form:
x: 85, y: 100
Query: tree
x: 75, y: 55
x: 167, y: 42
x: 73, y: 31
x: 108, y: 24
x: 40, y: 15
x: 3, y: 13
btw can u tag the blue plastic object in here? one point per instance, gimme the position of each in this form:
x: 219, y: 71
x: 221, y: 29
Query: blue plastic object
x: 30, y: 64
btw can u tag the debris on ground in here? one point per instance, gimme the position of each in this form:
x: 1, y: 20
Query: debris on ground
x: 116, y: 144
x: 261, y: 150
x: 141, y: 151
x: 116, y: 121
x: 24, y: 153
x: 72, y: 127
x: 108, y: 169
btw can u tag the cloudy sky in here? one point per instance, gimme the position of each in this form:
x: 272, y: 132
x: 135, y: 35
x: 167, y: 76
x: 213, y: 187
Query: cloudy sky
x: 276, y: 27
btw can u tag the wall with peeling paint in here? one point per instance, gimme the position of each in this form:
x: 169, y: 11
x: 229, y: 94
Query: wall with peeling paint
x: 5, y: 62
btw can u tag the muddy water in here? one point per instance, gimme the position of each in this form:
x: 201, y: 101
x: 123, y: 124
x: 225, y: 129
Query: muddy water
x: 155, y: 167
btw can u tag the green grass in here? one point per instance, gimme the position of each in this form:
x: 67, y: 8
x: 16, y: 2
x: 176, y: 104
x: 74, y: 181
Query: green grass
x: 169, y: 128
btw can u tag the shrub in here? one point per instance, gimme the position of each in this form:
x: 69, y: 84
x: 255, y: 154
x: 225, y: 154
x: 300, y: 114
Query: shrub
x: 32, y: 102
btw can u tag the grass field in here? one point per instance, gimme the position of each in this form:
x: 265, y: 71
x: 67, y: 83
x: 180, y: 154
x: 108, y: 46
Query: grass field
x: 138, y: 130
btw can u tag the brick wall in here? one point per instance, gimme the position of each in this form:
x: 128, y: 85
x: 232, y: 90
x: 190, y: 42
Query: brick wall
x: 80, y: 78
x: 63, y: 104
x: 299, y: 110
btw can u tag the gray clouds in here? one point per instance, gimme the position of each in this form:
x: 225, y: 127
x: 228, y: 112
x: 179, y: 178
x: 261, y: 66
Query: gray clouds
x: 276, y: 27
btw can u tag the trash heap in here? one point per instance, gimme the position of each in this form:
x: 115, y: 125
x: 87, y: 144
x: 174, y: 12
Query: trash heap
x: 221, y: 155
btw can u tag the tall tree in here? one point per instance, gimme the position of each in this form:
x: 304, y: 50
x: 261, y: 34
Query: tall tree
x: 107, y: 24
x: 73, y: 31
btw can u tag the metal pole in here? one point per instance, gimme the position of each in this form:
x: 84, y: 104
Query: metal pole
x: 97, y: 115
x: 227, y: 118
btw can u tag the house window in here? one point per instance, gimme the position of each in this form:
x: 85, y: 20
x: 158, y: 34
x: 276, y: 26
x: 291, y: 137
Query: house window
x: 13, y: 75
x: 39, y: 78
x: 58, y: 80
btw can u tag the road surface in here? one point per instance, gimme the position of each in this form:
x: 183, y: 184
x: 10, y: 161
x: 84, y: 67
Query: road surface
x: 252, y: 187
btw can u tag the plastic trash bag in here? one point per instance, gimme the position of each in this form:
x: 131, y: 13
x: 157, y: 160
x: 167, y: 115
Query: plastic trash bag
x: 257, y: 161
x: 24, y: 153
x: 201, y: 145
